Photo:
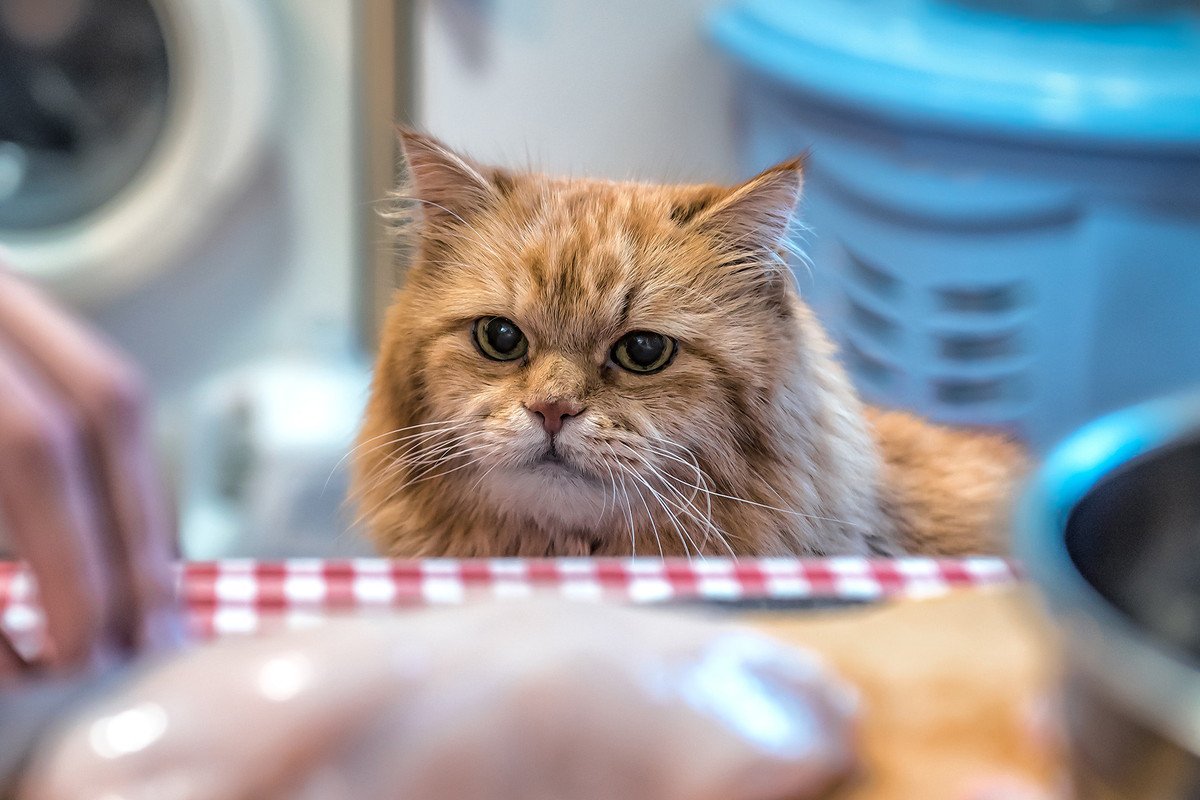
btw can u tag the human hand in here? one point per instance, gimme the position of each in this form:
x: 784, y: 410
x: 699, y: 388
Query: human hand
x: 508, y: 701
x: 79, y: 492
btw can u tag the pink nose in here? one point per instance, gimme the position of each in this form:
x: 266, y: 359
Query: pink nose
x: 552, y: 413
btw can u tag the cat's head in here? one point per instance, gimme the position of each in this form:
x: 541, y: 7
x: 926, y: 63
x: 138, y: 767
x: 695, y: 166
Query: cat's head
x: 580, y: 354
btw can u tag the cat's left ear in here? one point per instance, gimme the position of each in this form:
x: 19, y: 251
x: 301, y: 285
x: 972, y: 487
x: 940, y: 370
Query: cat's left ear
x: 451, y: 188
x: 756, y: 214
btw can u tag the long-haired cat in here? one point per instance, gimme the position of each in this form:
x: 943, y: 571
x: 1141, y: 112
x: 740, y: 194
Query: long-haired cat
x: 584, y: 367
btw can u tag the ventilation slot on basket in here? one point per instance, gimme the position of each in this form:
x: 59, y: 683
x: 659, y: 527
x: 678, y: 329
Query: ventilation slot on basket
x: 977, y: 336
x: 872, y: 323
x: 871, y: 277
x: 960, y: 393
x: 869, y: 369
x: 977, y: 348
x: 986, y: 300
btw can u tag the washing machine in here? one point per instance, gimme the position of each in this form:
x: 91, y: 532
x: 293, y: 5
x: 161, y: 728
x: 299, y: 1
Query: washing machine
x: 198, y: 178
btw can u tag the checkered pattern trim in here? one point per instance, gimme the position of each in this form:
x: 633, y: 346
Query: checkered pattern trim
x: 238, y: 596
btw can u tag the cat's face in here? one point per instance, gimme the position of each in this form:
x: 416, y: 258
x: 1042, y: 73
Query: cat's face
x: 579, y: 353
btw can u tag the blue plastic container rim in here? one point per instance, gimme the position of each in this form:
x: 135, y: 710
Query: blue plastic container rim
x: 926, y: 63
x: 1149, y: 678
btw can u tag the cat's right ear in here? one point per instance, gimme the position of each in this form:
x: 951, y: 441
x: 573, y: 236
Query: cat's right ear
x: 449, y: 187
x: 756, y: 214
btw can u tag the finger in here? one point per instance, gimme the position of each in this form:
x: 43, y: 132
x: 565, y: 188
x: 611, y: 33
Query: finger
x: 108, y: 393
x: 11, y: 662
x: 49, y: 513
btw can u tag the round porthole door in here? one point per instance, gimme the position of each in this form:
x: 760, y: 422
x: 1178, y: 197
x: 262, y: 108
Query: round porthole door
x: 127, y: 126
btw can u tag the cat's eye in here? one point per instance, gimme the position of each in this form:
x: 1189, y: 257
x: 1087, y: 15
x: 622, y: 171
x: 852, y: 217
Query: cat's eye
x: 643, y: 351
x: 500, y: 339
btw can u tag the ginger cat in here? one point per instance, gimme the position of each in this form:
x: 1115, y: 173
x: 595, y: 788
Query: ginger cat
x: 584, y: 367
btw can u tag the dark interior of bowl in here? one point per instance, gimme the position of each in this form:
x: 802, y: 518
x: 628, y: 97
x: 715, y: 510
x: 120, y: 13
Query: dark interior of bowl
x: 1136, y: 538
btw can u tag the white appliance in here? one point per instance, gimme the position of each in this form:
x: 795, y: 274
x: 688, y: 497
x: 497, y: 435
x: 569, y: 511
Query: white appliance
x: 197, y: 177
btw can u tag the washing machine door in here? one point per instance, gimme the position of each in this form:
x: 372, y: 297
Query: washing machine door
x: 125, y: 127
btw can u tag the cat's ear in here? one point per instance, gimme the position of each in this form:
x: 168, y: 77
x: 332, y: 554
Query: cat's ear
x: 449, y: 187
x: 756, y: 214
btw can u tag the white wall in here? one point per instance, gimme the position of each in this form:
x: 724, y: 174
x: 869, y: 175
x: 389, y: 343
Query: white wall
x: 614, y: 88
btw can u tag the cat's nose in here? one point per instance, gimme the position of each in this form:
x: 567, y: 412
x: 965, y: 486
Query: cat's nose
x: 552, y: 413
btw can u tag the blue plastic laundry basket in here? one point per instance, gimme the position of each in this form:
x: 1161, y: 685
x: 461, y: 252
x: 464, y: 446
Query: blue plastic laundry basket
x: 1004, y: 210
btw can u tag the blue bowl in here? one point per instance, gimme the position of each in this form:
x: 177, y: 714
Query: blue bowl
x: 1109, y: 530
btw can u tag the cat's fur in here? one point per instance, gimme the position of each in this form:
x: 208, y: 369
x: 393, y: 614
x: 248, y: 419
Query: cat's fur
x: 752, y: 441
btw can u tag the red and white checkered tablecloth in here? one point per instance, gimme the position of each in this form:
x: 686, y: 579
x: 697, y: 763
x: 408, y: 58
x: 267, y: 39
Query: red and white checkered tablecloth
x: 241, y: 596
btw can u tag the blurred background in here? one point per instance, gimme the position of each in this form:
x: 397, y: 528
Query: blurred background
x: 1002, y: 205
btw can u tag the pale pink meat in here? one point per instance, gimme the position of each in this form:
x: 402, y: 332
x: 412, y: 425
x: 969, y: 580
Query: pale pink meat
x: 506, y: 701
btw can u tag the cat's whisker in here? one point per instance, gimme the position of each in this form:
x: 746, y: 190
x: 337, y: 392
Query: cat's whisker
x: 432, y: 439
x: 412, y: 482
x: 421, y: 452
x: 629, y: 504
x: 443, y: 454
x: 770, y: 488
x: 427, y: 468
x: 685, y: 501
x: 413, y: 439
x: 416, y: 431
x: 482, y: 477
x: 649, y: 514
x: 629, y: 515
x: 470, y: 463
x: 688, y: 507
x: 395, y: 432
x: 671, y: 517
x: 625, y: 494
x: 690, y: 462
x: 422, y: 445
x: 815, y: 517
x: 604, y: 509
x: 684, y: 537
x: 796, y: 233
x: 429, y: 465
x: 682, y: 524
x: 418, y: 448
x: 703, y: 484
x: 432, y: 424
x: 765, y: 483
